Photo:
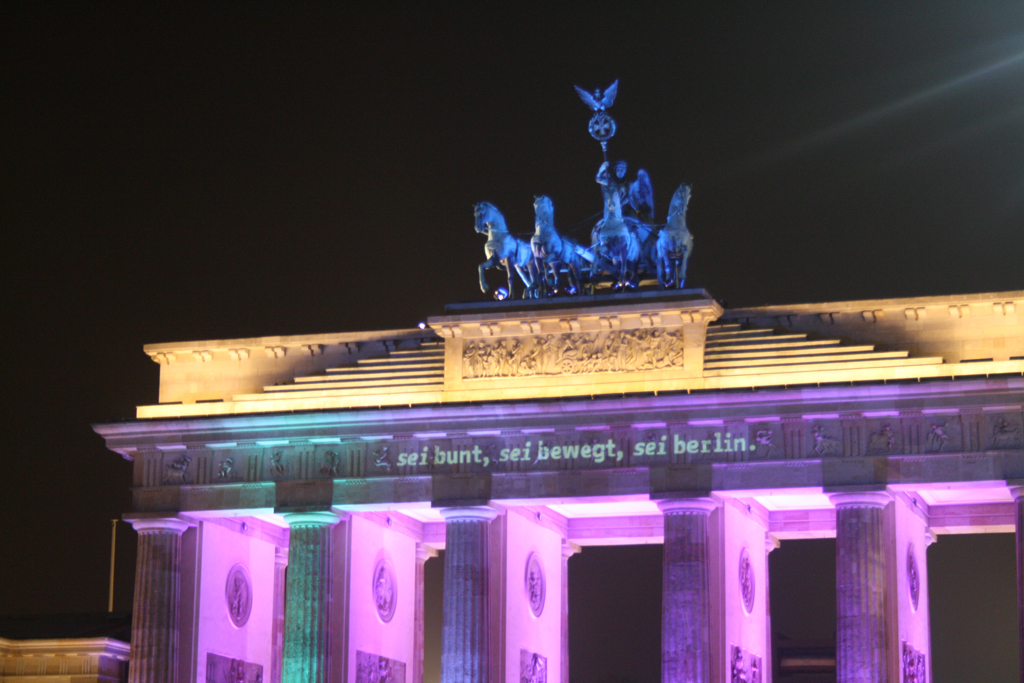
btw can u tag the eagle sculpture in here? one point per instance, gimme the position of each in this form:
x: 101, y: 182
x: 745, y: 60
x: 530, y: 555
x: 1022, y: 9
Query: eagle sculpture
x: 597, y: 102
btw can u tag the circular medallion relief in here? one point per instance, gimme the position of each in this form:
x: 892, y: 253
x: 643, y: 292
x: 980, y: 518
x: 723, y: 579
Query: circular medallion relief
x: 385, y: 589
x: 746, y: 581
x: 238, y: 593
x: 913, y: 577
x: 534, y: 584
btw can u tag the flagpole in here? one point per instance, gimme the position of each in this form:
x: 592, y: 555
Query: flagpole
x: 113, y: 546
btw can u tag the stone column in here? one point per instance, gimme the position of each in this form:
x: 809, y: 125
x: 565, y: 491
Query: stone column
x: 154, y: 651
x: 686, y: 592
x: 568, y: 550
x: 860, y: 587
x: 423, y: 553
x: 277, y: 628
x: 1018, y: 496
x: 465, y: 641
x: 308, y: 602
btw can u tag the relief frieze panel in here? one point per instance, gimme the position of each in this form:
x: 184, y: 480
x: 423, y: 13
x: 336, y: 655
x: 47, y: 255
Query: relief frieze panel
x: 533, y: 667
x: 915, y: 669
x: 281, y: 463
x: 373, y: 668
x: 767, y: 441
x: 1003, y: 430
x: 228, y: 468
x: 744, y: 666
x: 328, y: 461
x: 825, y: 439
x: 178, y: 468
x: 884, y: 437
x: 942, y: 434
x: 573, y: 354
x: 220, y: 669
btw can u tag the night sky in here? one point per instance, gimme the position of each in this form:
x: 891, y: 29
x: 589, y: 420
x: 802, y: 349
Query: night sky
x: 188, y: 172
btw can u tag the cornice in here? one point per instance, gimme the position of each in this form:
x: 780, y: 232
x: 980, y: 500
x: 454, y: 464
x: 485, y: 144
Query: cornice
x: 751, y: 406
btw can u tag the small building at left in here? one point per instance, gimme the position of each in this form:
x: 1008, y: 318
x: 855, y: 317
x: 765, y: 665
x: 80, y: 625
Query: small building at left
x: 80, y: 648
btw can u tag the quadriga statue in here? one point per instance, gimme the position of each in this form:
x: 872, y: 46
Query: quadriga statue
x: 675, y: 244
x: 504, y: 250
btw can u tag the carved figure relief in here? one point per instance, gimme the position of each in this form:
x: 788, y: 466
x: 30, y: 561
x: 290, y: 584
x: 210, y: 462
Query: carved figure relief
x: 278, y: 465
x: 573, y: 354
x: 220, y: 669
x: 372, y: 668
x: 937, y: 438
x: 881, y: 442
x: 747, y: 588
x: 914, y: 670
x: 533, y: 668
x: 226, y: 471
x: 763, y: 439
x: 177, y: 471
x: 382, y: 459
x: 738, y: 672
x: 913, y: 577
x: 332, y: 460
x: 238, y: 594
x: 535, y: 585
x: 384, y: 589
x: 824, y: 443
x: 1004, y: 434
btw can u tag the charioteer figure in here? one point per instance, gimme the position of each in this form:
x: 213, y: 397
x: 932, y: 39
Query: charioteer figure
x: 634, y: 200
x: 614, y: 188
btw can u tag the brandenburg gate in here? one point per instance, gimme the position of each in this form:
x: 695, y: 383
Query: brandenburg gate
x: 288, y: 490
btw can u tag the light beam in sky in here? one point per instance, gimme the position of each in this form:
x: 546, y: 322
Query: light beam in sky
x: 885, y: 111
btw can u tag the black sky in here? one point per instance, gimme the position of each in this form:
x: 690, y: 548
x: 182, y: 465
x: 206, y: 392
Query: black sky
x: 181, y: 172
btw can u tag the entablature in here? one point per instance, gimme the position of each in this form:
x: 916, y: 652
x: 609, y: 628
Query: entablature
x: 927, y: 433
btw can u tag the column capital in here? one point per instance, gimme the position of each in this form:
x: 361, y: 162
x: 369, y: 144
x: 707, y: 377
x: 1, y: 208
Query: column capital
x: 685, y: 505
x: 316, y: 518
x: 1017, y: 492
x: 569, y: 548
x: 158, y: 524
x: 465, y: 514
x: 424, y: 552
x: 875, y: 499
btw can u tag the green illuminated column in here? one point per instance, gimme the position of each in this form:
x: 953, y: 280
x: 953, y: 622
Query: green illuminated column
x: 154, y: 652
x: 307, y: 641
